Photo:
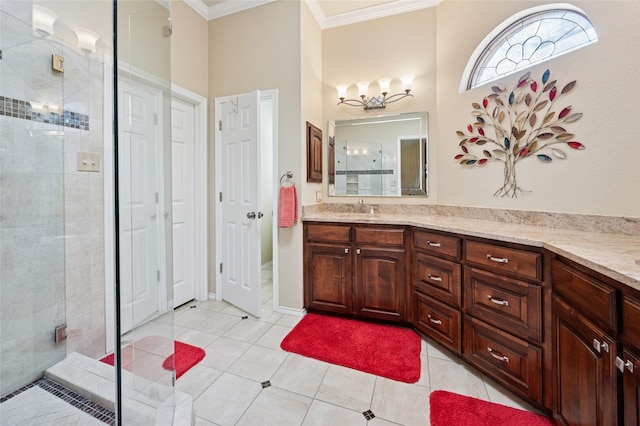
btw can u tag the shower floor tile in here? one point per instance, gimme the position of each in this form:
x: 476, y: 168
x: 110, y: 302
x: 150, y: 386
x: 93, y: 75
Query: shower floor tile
x: 37, y: 406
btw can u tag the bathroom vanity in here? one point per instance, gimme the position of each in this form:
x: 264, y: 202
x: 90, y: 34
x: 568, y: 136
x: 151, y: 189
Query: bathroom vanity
x: 539, y: 310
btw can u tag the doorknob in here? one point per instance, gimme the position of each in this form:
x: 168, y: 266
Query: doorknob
x: 251, y: 215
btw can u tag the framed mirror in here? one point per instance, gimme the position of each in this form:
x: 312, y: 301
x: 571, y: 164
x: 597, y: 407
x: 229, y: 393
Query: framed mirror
x: 379, y: 156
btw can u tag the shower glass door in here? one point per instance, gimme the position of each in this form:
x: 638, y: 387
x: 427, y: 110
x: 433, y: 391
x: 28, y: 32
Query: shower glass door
x: 32, y: 213
x: 145, y: 227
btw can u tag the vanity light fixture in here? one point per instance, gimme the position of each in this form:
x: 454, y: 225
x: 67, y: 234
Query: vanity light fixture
x: 375, y: 102
x: 43, y: 20
x: 86, y: 40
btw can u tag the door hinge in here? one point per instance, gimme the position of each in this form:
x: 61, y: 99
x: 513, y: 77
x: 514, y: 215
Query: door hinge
x: 220, y: 267
x: 158, y: 274
x: 221, y: 197
x: 155, y: 119
x: 157, y: 198
x: 219, y: 124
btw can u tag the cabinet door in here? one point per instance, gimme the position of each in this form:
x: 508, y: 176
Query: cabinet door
x: 328, y: 278
x: 631, y: 388
x: 380, y: 283
x: 585, y: 378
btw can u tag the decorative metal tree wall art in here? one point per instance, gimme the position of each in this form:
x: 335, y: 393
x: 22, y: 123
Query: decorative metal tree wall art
x: 512, y: 126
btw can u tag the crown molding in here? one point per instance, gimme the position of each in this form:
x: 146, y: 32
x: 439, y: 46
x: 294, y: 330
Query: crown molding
x: 375, y: 12
x: 229, y: 7
x: 200, y: 7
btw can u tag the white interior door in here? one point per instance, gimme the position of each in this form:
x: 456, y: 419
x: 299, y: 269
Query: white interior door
x: 140, y: 218
x: 183, y: 193
x: 239, y: 198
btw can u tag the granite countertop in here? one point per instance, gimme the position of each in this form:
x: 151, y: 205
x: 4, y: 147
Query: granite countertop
x: 614, y: 255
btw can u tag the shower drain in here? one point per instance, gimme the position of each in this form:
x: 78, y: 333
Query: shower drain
x: 71, y: 397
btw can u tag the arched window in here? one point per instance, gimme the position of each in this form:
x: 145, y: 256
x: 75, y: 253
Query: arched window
x: 527, y: 38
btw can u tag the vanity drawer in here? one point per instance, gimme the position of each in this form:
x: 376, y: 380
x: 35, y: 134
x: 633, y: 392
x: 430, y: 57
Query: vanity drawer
x: 511, y: 305
x: 505, y: 358
x: 589, y: 296
x: 439, y: 321
x: 437, y: 243
x: 438, y: 278
x: 521, y: 263
x: 380, y: 236
x: 328, y: 232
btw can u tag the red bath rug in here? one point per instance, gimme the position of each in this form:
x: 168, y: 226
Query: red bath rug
x: 450, y: 409
x: 384, y: 350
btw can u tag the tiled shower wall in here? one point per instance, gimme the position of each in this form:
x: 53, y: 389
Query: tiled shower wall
x: 51, y: 215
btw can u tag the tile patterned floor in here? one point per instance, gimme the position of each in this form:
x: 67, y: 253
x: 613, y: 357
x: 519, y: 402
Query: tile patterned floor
x: 245, y: 378
x: 243, y: 353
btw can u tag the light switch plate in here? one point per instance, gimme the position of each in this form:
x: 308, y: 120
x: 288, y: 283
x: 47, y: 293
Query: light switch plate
x: 88, y: 162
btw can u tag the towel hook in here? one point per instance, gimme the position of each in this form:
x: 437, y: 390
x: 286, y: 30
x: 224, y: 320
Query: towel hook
x: 288, y: 175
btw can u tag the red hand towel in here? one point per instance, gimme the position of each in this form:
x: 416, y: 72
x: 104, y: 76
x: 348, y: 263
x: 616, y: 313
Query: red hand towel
x: 287, y: 207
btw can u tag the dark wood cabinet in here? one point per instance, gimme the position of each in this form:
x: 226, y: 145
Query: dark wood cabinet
x: 361, y: 271
x: 629, y: 364
x: 380, y: 283
x: 558, y: 334
x: 585, y: 378
x: 504, y: 324
x: 328, y: 277
x: 436, y: 281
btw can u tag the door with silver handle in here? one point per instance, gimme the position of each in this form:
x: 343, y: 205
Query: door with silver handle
x: 252, y: 215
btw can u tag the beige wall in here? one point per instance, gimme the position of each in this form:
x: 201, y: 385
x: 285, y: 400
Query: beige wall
x: 278, y: 45
x: 388, y: 47
x: 602, y: 179
x: 259, y: 49
x: 189, y: 49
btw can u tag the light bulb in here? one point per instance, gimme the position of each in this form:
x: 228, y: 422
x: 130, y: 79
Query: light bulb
x: 407, y: 83
x: 43, y: 20
x: 362, y: 88
x: 342, y: 90
x: 86, y: 40
x: 384, y: 85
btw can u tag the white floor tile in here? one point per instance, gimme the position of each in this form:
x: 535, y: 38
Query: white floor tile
x: 347, y: 388
x: 226, y: 400
x: 276, y: 407
x: 223, y: 352
x: 401, y: 403
x: 258, y: 363
x: 300, y: 374
x: 455, y: 376
x: 197, y: 380
x: 273, y: 337
x: 323, y: 414
x: 248, y: 330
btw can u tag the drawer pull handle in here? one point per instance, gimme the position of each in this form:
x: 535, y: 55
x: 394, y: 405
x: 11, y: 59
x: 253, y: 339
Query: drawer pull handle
x: 432, y: 244
x: 435, y: 321
x: 357, y: 251
x: 497, y: 356
x: 435, y: 278
x: 600, y: 346
x: 497, y: 259
x: 346, y: 250
x: 622, y: 365
x: 500, y: 302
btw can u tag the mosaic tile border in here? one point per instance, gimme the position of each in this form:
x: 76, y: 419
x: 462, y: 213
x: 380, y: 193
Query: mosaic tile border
x: 365, y: 172
x: 78, y: 401
x: 17, y: 108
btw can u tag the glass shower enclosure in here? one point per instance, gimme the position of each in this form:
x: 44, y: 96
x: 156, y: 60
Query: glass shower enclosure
x: 85, y: 232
